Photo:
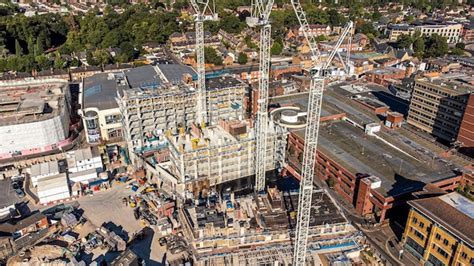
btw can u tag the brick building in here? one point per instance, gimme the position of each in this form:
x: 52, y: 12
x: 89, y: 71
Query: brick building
x: 316, y: 30
x: 466, y: 131
x: 369, y: 173
x: 383, y: 76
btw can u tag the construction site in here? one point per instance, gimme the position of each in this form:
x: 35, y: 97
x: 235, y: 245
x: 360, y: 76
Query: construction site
x: 159, y: 108
x: 213, y: 155
x: 222, y: 227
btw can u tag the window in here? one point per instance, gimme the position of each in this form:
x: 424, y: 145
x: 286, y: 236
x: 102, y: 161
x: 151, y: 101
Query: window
x: 415, y: 220
x: 422, y: 225
x: 442, y: 252
x: 438, y: 236
x: 419, y: 235
x: 446, y: 242
x: 464, y: 255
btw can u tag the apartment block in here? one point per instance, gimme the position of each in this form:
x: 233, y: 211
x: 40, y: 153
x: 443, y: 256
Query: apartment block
x: 439, y: 230
x: 451, y: 31
x: 222, y: 153
x: 438, y: 104
x: 148, y: 113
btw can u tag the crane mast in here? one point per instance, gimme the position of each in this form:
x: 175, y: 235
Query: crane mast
x: 311, y: 134
x: 201, y: 7
x: 260, y: 13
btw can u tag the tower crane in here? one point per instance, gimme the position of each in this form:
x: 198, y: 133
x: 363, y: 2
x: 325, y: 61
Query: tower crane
x: 318, y: 73
x: 260, y: 14
x: 201, y: 7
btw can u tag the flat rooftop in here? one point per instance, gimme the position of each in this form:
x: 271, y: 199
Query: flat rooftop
x: 28, y: 103
x: 8, y: 196
x: 301, y: 101
x: 453, y: 211
x: 223, y: 82
x: 400, y: 169
x: 457, y: 82
x: 100, y: 90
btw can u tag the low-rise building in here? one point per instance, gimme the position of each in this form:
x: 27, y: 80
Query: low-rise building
x: 43, y: 170
x: 84, y: 165
x: 53, y: 188
x: 25, y: 232
x: 385, y: 76
x: 375, y: 171
x: 316, y: 30
x: 440, y: 230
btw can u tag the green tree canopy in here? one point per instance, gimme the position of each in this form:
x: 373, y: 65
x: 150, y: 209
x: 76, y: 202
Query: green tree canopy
x: 277, y: 48
x: 242, y: 58
x: 211, y: 56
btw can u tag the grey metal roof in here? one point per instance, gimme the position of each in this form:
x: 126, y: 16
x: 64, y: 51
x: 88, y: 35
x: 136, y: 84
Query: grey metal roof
x: 101, y: 89
x: 174, y: 72
x: 142, y: 77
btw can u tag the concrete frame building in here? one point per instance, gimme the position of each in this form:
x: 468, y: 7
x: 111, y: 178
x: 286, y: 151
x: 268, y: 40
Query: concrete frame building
x: 149, y: 113
x: 219, y: 154
x: 34, y: 117
x: 102, y: 117
x: 256, y: 229
x: 438, y: 104
x: 440, y: 231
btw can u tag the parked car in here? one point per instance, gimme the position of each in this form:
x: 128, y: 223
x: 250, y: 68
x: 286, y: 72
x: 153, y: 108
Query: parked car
x: 20, y: 193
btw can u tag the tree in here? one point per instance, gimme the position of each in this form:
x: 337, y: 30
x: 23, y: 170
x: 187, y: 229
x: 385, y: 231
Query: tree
x: 461, y: 45
x: 231, y: 23
x: 331, y: 182
x: 404, y: 41
x: 419, y: 47
x: 59, y: 62
x: 277, y: 48
x: 211, y: 56
x: 321, y: 38
x: 242, y: 58
x: 336, y: 18
x: 366, y: 27
x: 437, y: 46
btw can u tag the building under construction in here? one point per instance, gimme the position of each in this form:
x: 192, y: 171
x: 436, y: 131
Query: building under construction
x: 167, y: 103
x: 257, y: 228
x: 213, y: 155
